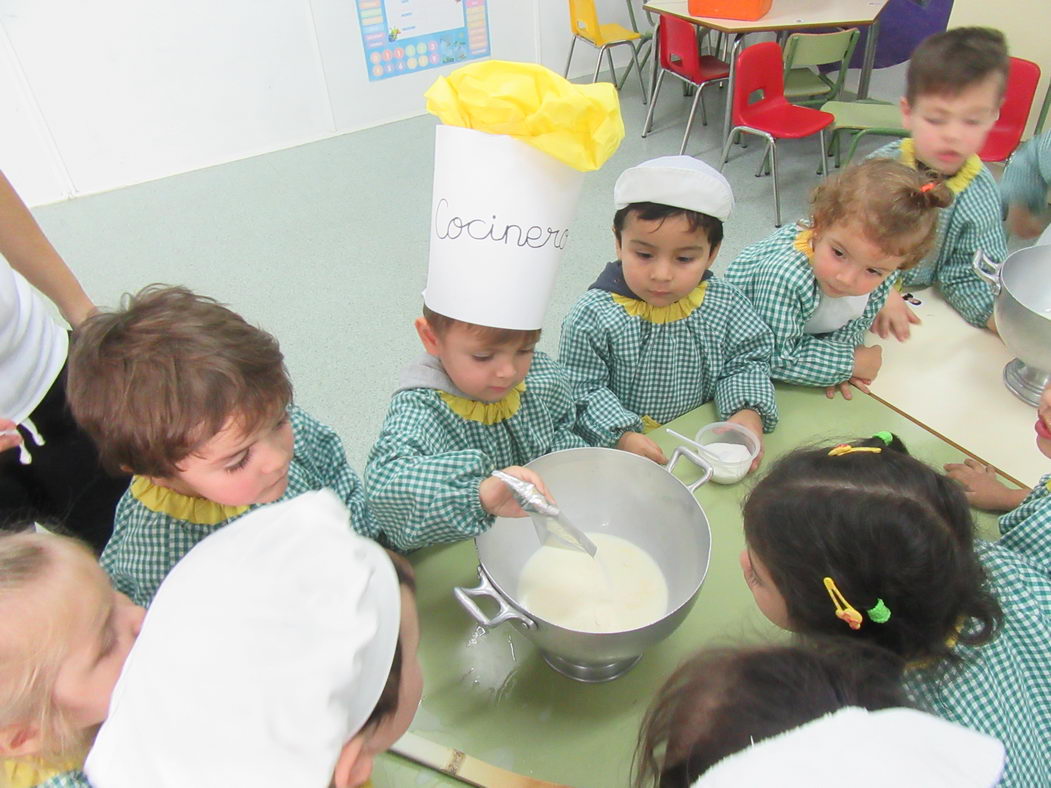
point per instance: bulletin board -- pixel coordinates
(403, 36)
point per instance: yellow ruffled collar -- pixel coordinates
(199, 511)
(958, 182)
(682, 308)
(485, 412)
(26, 773)
(804, 243)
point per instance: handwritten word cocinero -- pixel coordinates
(535, 237)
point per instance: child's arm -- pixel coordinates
(982, 488)
(1024, 186)
(745, 380)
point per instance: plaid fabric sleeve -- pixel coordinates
(551, 379)
(320, 449)
(976, 223)
(745, 380)
(74, 779)
(1028, 174)
(1026, 529)
(420, 489)
(113, 553)
(777, 280)
(586, 354)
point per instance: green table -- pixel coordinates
(491, 695)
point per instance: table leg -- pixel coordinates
(655, 51)
(871, 36)
(734, 50)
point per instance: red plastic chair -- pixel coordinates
(680, 57)
(760, 71)
(1022, 79)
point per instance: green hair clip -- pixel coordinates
(879, 613)
(884, 436)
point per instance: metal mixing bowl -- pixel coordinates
(1022, 311)
(613, 492)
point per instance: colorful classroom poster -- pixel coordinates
(402, 36)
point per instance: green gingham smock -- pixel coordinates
(1004, 687)
(423, 474)
(776, 276)
(624, 367)
(973, 221)
(147, 542)
(1028, 174)
(76, 779)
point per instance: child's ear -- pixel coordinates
(427, 335)
(354, 765)
(18, 740)
(906, 113)
(713, 253)
(616, 241)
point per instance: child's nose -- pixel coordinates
(662, 271)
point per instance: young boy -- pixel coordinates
(1024, 186)
(954, 88)
(182, 392)
(281, 651)
(657, 335)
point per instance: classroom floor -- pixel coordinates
(325, 245)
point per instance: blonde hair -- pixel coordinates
(29, 660)
(895, 206)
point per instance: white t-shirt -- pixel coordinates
(33, 346)
(834, 313)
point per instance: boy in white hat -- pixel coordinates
(481, 398)
(657, 335)
(281, 651)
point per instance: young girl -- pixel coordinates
(820, 284)
(864, 541)
(64, 636)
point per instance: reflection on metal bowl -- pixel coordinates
(609, 491)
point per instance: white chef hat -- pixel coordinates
(263, 653)
(679, 181)
(500, 219)
(866, 749)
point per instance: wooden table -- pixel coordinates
(787, 15)
(492, 696)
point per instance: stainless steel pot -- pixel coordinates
(1022, 310)
(614, 492)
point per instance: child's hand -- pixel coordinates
(1023, 223)
(867, 361)
(497, 498)
(894, 318)
(9, 435)
(861, 384)
(643, 445)
(981, 487)
(752, 422)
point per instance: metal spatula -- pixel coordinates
(552, 527)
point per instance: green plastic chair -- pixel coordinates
(860, 119)
(805, 84)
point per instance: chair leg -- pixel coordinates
(638, 70)
(854, 145)
(569, 59)
(653, 103)
(689, 120)
(704, 112)
(598, 64)
(726, 148)
(763, 163)
(777, 195)
(824, 165)
(612, 70)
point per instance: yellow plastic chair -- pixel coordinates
(584, 24)
(804, 83)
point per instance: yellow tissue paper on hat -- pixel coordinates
(580, 125)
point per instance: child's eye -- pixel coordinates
(643, 255)
(526, 351)
(877, 272)
(480, 357)
(241, 463)
(686, 259)
(838, 252)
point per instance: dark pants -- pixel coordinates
(65, 487)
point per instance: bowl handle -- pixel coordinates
(465, 596)
(696, 459)
(987, 270)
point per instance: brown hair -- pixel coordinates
(29, 661)
(894, 205)
(723, 700)
(391, 694)
(655, 211)
(440, 324)
(950, 62)
(153, 380)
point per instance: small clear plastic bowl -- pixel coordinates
(725, 471)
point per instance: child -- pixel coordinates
(64, 636)
(180, 391)
(863, 541)
(1024, 185)
(819, 285)
(954, 88)
(656, 335)
(281, 651)
(782, 715)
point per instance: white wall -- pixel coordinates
(103, 94)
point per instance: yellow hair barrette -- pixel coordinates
(846, 448)
(844, 610)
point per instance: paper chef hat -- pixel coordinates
(263, 653)
(507, 175)
(679, 181)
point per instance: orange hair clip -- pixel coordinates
(844, 610)
(928, 186)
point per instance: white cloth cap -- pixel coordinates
(679, 181)
(263, 653)
(866, 749)
(500, 219)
